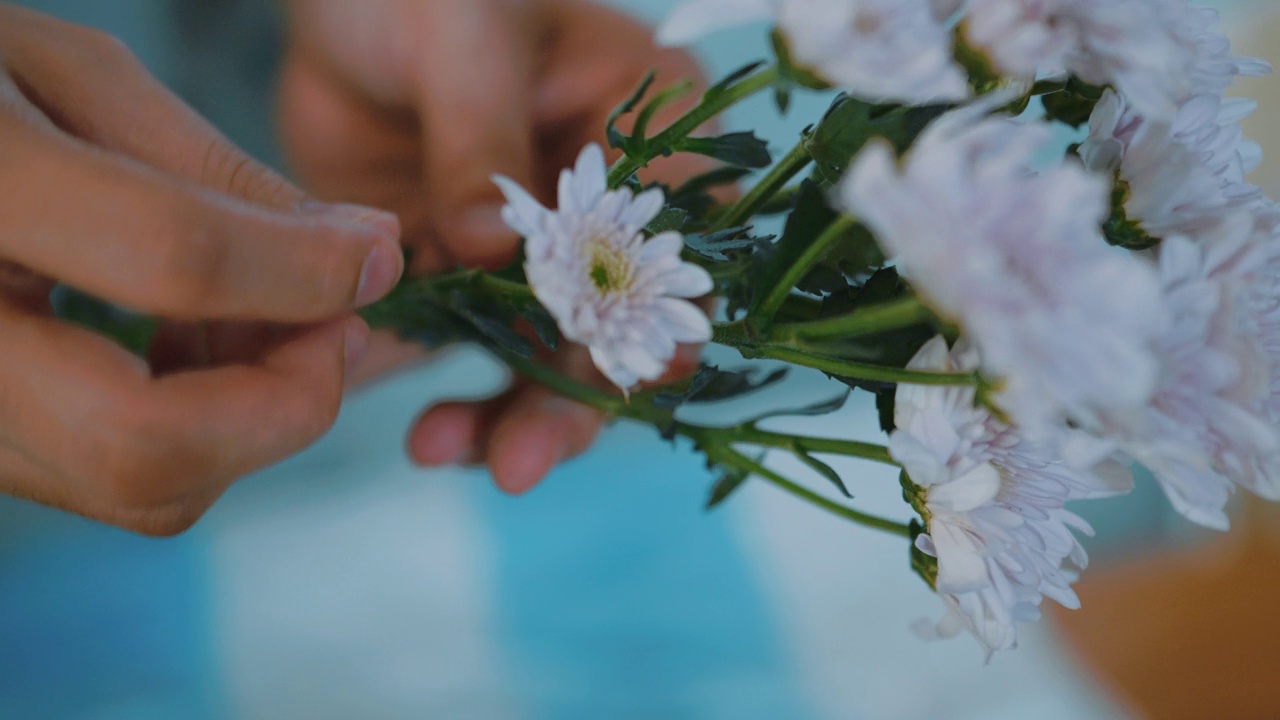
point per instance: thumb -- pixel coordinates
(474, 87)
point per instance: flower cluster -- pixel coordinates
(1039, 321)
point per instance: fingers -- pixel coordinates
(521, 436)
(95, 89)
(598, 58)
(476, 123)
(129, 234)
(152, 454)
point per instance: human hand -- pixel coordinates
(111, 185)
(412, 106)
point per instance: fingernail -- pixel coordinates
(354, 344)
(380, 221)
(380, 273)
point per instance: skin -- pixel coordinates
(110, 184)
(412, 106)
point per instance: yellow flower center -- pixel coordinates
(610, 268)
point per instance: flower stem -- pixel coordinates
(751, 435)
(863, 321)
(717, 442)
(860, 371)
(729, 456)
(794, 274)
(712, 104)
(764, 190)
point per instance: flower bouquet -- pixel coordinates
(1032, 322)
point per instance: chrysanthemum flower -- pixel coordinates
(1147, 49)
(994, 505)
(1209, 424)
(879, 50)
(621, 295)
(1183, 177)
(1018, 261)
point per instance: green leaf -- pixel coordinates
(693, 195)
(824, 407)
(850, 123)
(733, 78)
(886, 402)
(729, 480)
(671, 219)
(711, 384)
(716, 246)
(826, 471)
(661, 100)
(811, 216)
(129, 330)
(495, 330)
(615, 136)
(1073, 105)
(544, 326)
(742, 149)
(849, 263)
(894, 348)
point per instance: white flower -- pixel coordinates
(693, 19)
(1209, 425)
(1018, 261)
(1182, 176)
(880, 50)
(994, 505)
(607, 286)
(1156, 53)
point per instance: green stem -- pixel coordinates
(783, 441)
(712, 104)
(863, 321)
(763, 191)
(717, 442)
(732, 457)
(861, 371)
(811, 256)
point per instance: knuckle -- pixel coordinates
(227, 169)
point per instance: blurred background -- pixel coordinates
(346, 583)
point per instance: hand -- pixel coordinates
(412, 106)
(113, 186)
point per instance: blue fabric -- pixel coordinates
(97, 623)
(622, 598)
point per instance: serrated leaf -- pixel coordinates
(716, 245)
(826, 471)
(694, 195)
(711, 384)
(726, 484)
(494, 330)
(811, 216)
(742, 149)
(544, 326)
(822, 407)
(671, 219)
